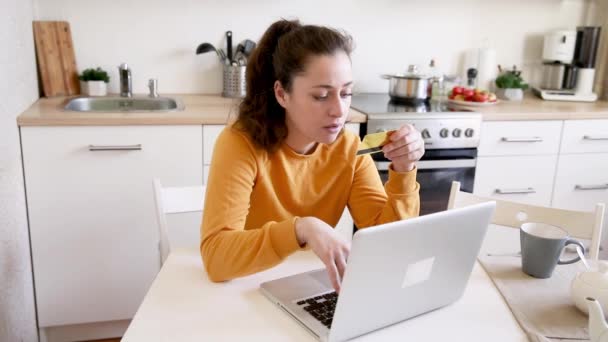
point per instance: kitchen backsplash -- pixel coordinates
(158, 38)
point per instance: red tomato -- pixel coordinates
(468, 92)
(457, 90)
(468, 98)
(480, 97)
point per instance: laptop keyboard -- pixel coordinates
(321, 307)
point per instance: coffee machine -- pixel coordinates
(568, 70)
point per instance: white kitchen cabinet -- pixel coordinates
(581, 181)
(584, 136)
(564, 162)
(517, 160)
(501, 138)
(94, 235)
(525, 179)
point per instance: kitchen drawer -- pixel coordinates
(210, 134)
(501, 138)
(581, 181)
(525, 179)
(582, 136)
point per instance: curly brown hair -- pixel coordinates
(281, 54)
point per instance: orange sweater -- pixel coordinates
(254, 197)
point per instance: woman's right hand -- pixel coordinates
(328, 245)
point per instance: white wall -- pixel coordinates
(158, 38)
(18, 89)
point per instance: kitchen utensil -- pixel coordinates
(249, 46)
(56, 58)
(229, 45)
(239, 48)
(206, 47)
(222, 55)
(410, 87)
(240, 58)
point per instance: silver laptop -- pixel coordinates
(395, 271)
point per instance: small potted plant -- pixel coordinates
(510, 85)
(93, 82)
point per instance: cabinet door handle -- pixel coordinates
(591, 187)
(95, 148)
(522, 139)
(591, 137)
(515, 191)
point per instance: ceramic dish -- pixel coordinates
(473, 104)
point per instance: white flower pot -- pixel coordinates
(94, 88)
(510, 94)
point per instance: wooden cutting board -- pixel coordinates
(56, 58)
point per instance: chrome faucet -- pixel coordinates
(153, 86)
(125, 80)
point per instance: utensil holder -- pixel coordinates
(234, 81)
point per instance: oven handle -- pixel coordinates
(434, 164)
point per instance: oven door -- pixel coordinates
(436, 171)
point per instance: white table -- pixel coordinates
(183, 305)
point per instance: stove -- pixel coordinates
(451, 138)
(441, 126)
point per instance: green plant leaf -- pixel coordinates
(511, 79)
(97, 74)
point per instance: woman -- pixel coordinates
(282, 175)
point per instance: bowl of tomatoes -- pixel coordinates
(471, 97)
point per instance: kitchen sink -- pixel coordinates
(124, 104)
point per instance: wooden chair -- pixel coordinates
(579, 224)
(178, 200)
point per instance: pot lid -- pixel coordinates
(412, 73)
(596, 278)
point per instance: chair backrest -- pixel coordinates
(178, 200)
(579, 224)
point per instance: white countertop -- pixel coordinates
(203, 109)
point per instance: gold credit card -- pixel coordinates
(373, 143)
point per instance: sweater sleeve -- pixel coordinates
(227, 249)
(370, 204)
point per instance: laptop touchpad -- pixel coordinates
(322, 277)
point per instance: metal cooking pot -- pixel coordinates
(410, 87)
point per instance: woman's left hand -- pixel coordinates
(406, 147)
